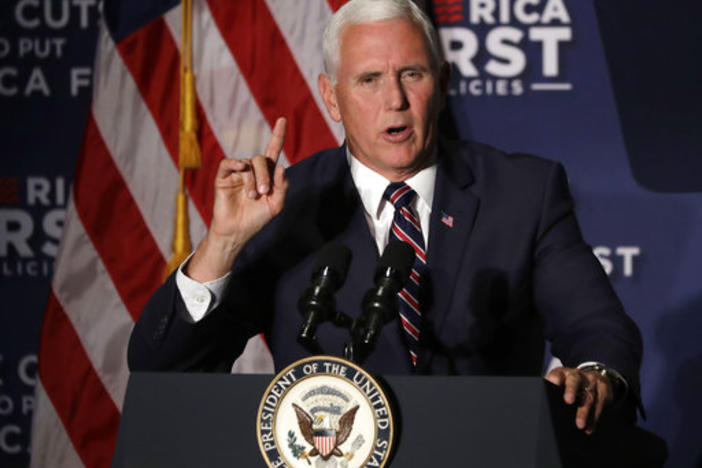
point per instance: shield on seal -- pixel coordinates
(325, 441)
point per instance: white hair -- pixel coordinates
(372, 11)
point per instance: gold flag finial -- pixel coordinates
(188, 148)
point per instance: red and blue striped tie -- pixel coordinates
(406, 228)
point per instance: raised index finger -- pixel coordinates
(275, 146)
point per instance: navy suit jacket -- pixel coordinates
(511, 271)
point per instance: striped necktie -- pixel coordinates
(406, 228)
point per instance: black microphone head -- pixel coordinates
(337, 258)
(380, 303)
(400, 257)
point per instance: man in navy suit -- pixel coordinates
(506, 263)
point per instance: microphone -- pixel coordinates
(380, 303)
(317, 302)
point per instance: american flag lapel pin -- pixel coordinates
(447, 219)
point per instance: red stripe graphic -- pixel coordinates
(86, 410)
(414, 276)
(448, 9)
(153, 59)
(271, 72)
(450, 18)
(9, 190)
(114, 223)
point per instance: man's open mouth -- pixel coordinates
(396, 130)
(397, 134)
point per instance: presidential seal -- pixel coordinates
(324, 412)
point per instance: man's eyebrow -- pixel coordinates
(368, 74)
(415, 67)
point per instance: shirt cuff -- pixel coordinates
(200, 298)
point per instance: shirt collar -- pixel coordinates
(371, 185)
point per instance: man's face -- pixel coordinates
(387, 96)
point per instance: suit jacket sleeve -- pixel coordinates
(166, 339)
(583, 318)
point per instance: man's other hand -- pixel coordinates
(589, 390)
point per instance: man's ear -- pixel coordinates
(326, 89)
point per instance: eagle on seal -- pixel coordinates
(337, 437)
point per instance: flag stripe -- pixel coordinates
(273, 77)
(154, 62)
(233, 115)
(92, 304)
(336, 4)
(119, 221)
(256, 358)
(114, 224)
(152, 58)
(302, 33)
(134, 142)
(57, 449)
(76, 392)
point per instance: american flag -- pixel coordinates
(254, 60)
(325, 441)
(446, 219)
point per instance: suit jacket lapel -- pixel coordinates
(453, 214)
(358, 238)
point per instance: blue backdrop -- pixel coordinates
(46, 56)
(609, 88)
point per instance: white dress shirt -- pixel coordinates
(380, 212)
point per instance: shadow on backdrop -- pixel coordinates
(652, 50)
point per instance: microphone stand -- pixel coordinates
(317, 304)
(380, 303)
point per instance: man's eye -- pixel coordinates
(411, 75)
(368, 79)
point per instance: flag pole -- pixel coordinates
(189, 156)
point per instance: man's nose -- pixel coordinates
(395, 96)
